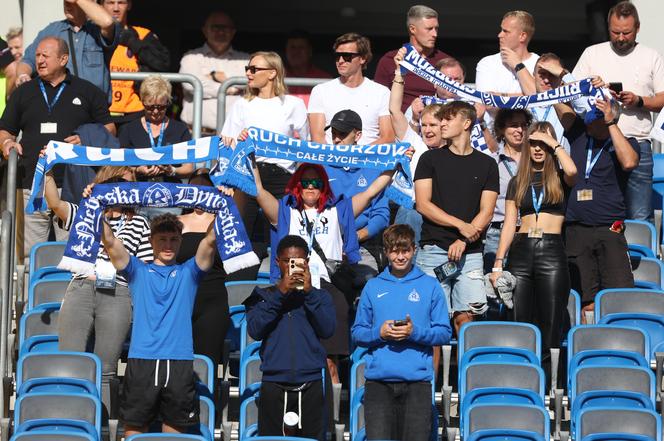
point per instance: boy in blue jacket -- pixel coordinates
(290, 318)
(402, 314)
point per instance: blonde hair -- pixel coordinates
(14, 32)
(525, 19)
(273, 61)
(156, 87)
(553, 190)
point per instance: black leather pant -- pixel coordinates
(542, 287)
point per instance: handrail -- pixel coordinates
(242, 81)
(174, 78)
(5, 278)
(12, 170)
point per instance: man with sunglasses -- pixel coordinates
(213, 63)
(422, 25)
(351, 90)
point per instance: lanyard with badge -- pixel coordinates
(507, 165)
(50, 127)
(105, 272)
(314, 270)
(536, 233)
(161, 134)
(586, 194)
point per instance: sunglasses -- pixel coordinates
(347, 56)
(157, 107)
(254, 69)
(315, 183)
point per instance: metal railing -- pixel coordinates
(173, 78)
(242, 81)
(6, 276)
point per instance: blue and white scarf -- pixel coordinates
(417, 64)
(85, 235)
(196, 150)
(477, 139)
(234, 167)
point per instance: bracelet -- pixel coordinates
(399, 82)
(555, 149)
(496, 270)
(611, 123)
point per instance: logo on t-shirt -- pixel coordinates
(76, 101)
(414, 296)
(361, 181)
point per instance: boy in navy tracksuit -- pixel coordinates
(402, 314)
(290, 319)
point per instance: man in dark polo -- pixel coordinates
(49, 107)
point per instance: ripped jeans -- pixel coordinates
(465, 291)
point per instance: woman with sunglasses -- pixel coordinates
(155, 129)
(537, 259)
(310, 210)
(266, 105)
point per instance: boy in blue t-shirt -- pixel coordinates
(159, 379)
(402, 314)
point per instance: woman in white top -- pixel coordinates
(266, 105)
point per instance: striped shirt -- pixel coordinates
(134, 234)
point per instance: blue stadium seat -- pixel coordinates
(38, 330)
(503, 435)
(277, 438)
(165, 437)
(648, 272)
(250, 377)
(248, 346)
(205, 374)
(248, 418)
(647, 301)
(528, 418)
(59, 372)
(610, 421)
(36, 412)
(53, 435)
(641, 238)
(207, 417)
(49, 292)
(45, 256)
(651, 324)
(574, 308)
(356, 418)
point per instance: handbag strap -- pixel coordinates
(72, 51)
(314, 244)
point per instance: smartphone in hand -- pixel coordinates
(294, 268)
(616, 87)
(403, 322)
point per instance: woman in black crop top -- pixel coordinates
(537, 256)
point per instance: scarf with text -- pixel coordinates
(84, 238)
(196, 150)
(234, 167)
(477, 139)
(417, 64)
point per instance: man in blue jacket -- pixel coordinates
(290, 319)
(402, 314)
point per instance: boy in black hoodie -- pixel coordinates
(290, 319)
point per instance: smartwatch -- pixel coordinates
(518, 67)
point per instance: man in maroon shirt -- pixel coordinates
(422, 23)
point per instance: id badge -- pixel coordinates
(315, 276)
(535, 233)
(49, 127)
(584, 195)
(105, 275)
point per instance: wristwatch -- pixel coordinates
(483, 125)
(518, 67)
(212, 72)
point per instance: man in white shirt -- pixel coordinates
(510, 70)
(351, 90)
(640, 72)
(212, 63)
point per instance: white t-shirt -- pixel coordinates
(641, 72)
(370, 100)
(493, 76)
(285, 115)
(326, 231)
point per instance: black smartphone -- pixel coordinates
(616, 87)
(403, 322)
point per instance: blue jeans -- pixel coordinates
(398, 411)
(490, 247)
(638, 195)
(410, 216)
(465, 290)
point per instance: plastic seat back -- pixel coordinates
(206, 418)
(248, 418)
(55, 435)
(651, 324)
(37, 324)
(500, 334)
(641, 237)
(165, 437)
(502, 435)
(205, 373)
(612, 378)
(501, 375)
(250, 376)
(46, 254)
(239, 291)
(615, 420)
(83, 408)
(647, 271)
(59, 372)
(48, 292)
(574, 308)
(605, 344)
(503, 416)
(610, 301)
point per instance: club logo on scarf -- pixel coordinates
(222, 165)
(157, 196)
(85, 229)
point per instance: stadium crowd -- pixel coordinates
(500, 231)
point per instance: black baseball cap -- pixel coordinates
(345, 121)
(6, 56)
